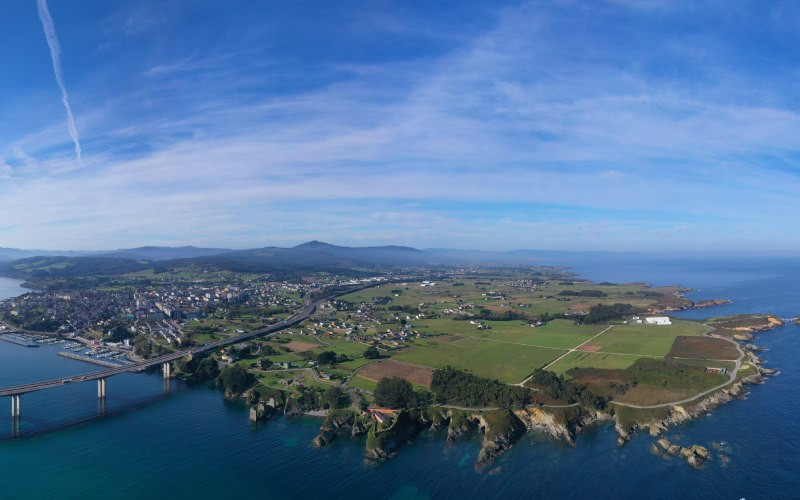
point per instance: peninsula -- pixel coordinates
(422, 344)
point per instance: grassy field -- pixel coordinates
(506, 362)
(592, 360)
(362, 383)
(646, 339)
(562, 334)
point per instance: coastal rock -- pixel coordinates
(752, 358)
(460, 425)
(324, 438)
(753, 347)
(383, 442)
(534, 418)
(710, 303)
(501, 430)
(694, 455)
(359, 428)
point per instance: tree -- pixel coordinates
(236, 379)
(141, 346)
(207, 369)
(372, 353)
(118, 333)
(394, 392)
(334, 397)
(457, 387)
(326, 357)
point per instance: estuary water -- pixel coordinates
(176, 441)
(11, 288)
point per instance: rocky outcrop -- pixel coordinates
(359, 428)
(694, 455)
(562, 423)
(461, 425)
(383, 442)
(335, 421)
(501, 430)
(703, 304)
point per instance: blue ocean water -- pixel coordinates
(180, 441)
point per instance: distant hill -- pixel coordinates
(162, 253)
(311, 256)
(316, 255)
(17, 253)
(33, 268)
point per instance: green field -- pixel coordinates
(562, 334)
(592, 360)
(362, 383)
(501, 360)
(646, 339)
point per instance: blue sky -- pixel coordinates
(607, 125)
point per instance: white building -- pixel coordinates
(658, 320)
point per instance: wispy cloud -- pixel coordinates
(55, 55)
(562, 125)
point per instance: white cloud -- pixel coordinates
(530, 115)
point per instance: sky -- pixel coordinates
(641, 125)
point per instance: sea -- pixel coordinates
(155, 440)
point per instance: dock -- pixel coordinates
(18, 339)
(87, 359)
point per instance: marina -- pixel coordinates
(19, 339)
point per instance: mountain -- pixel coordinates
(311, 256)
(316, 255)
(17, 253)
(163, 253)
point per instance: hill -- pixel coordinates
(316, 255)
(163, 253)
(35, 268)
(311, 256)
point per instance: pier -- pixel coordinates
(88, 359)
(18, 339)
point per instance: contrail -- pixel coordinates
(55, 55)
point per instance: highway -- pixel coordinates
(302, 314)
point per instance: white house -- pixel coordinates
(658, 320)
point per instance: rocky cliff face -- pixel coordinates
(501, 429)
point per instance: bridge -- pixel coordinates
(308, 308)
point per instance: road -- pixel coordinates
(301, 315)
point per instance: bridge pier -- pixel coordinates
(166, 370)
(101, 388)
(15, 406)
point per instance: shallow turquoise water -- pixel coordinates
(181, 442)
